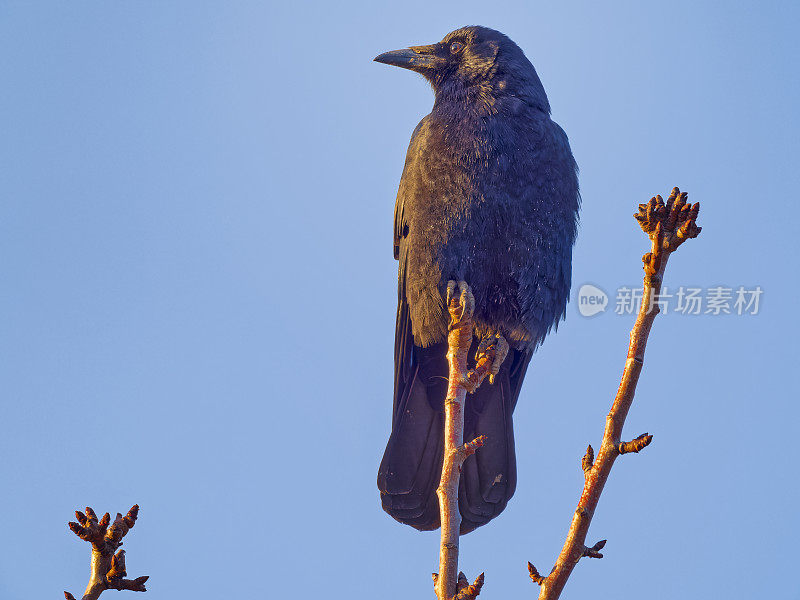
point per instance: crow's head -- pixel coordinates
(473, 59)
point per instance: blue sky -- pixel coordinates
(198, 296)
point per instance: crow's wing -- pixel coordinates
(412, 462)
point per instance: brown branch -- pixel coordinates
(459, 339)
(108, 563)
(668, 226)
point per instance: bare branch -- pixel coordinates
(447, 584)
(107, 568)
(667, 225)
(459, 338)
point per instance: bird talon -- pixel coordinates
(497, 343)
(467, 299)
(483, 346)
(451, 288)
(468, 384)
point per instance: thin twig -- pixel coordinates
(668, 226)
(459, 339)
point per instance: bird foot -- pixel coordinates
(461, 307)
(489, 357)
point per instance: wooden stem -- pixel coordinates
(459, 340)
(596, 476)
(668, 225)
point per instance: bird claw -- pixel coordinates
(493, 343)
(465, 298)
(451, 289)
(469, 383)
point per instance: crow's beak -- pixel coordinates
(416, 58)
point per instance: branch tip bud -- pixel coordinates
(594, 551)
(534, 574)
(588, 460)
(635, 445)
(470, 592)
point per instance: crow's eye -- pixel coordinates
(456, 47)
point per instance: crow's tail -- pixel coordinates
(412, 463)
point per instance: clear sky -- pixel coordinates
(198, 296)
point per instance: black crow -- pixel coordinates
(489, 195)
